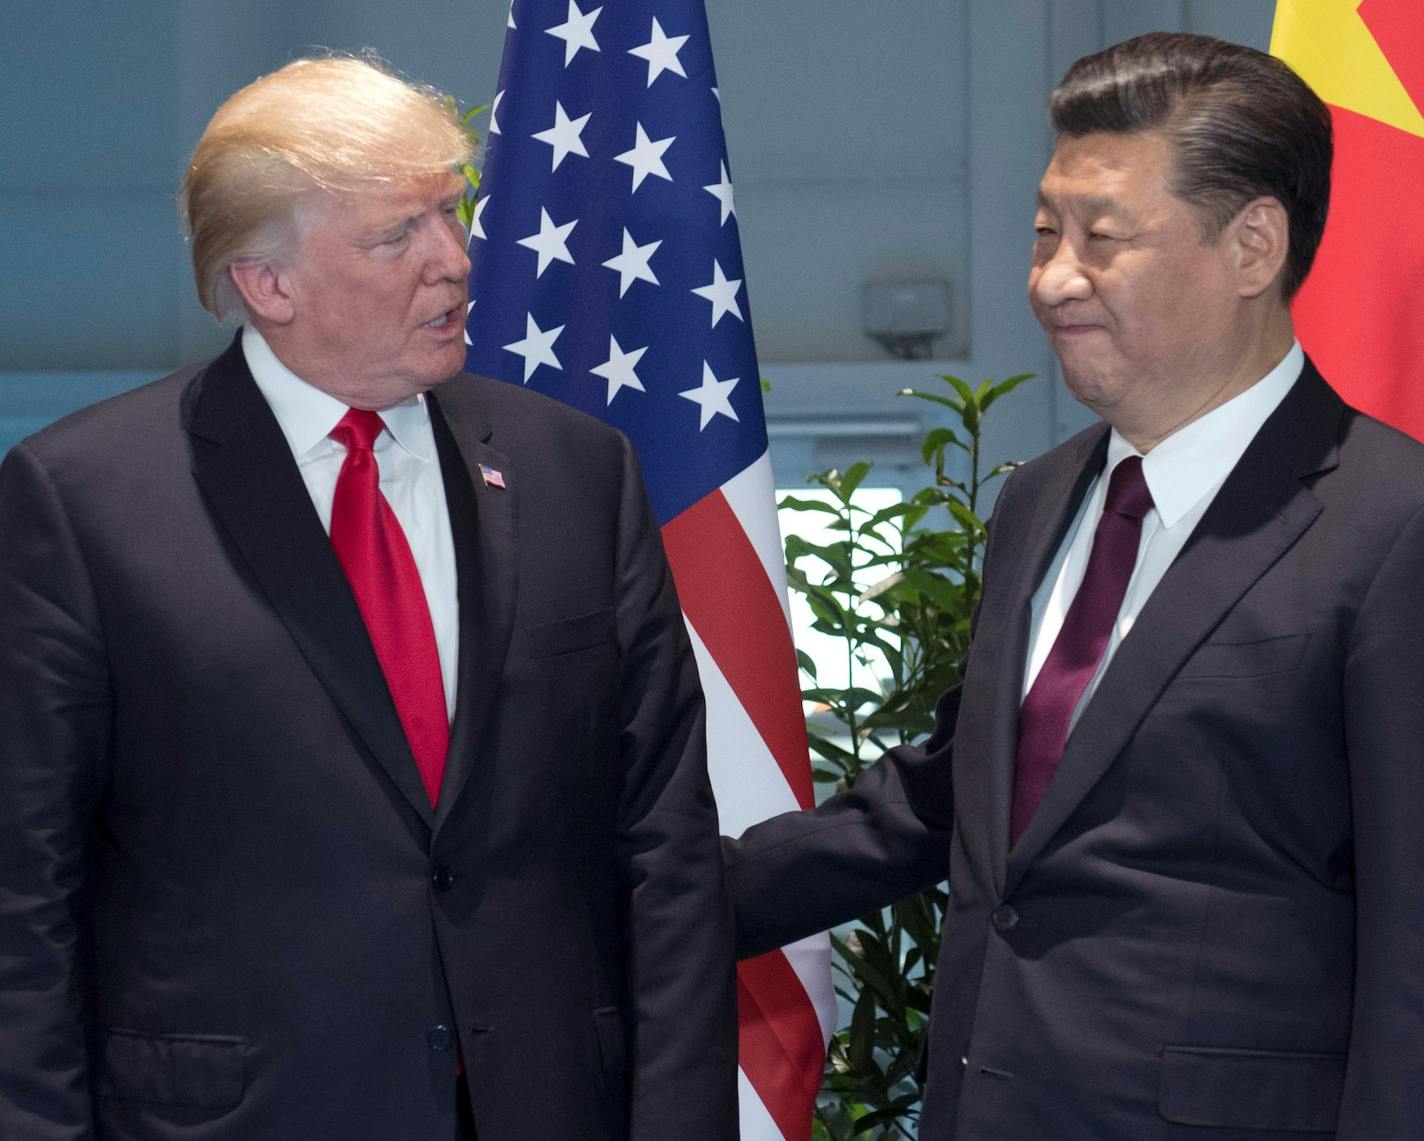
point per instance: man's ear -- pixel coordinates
(266, 290)
(1260, 237)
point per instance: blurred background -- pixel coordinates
(885, 158)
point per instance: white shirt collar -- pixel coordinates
(1195, 460)
(307, 415)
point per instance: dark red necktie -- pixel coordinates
(373, 551)
(1047, 710)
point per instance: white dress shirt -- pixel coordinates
(410, 480)
(1183, 472)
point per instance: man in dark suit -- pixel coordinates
(1179, 795)
(352, 777)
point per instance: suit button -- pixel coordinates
(443, 878)
(440, 1039)
(1004, 918)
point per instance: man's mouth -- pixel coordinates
(445, 320)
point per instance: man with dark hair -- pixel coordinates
(1178, 796)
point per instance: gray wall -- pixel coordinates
(893, 140)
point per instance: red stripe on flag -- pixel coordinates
(779, 1041)
(729, 600)
(1358, 313)
(732, 605)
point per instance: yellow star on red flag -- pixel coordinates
(1331, 47)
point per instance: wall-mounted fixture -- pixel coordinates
(906, 316)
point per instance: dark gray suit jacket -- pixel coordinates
(227, 910)
(1213, 926)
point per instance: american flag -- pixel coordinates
(608, 274)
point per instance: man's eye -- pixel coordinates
(1099, 236)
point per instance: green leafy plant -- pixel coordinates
(896, 588)
(466, 208)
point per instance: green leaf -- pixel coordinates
(839, 550)
(915, 515)
(857, 696)
(965, 518)
(829, 750)
(860, 1049)
(948, 401)
(886, 514)
(966, 393)
(937, 440)
(852, 479)
(795, 503)
(874, 968)
(991, 391)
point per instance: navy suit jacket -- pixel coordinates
(1212, 928)
(227, 909)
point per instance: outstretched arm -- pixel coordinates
(881, 840)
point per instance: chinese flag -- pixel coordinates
(1360, 314)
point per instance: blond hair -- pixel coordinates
(332, 124)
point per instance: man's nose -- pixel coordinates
(448, 259)
(1061, 278)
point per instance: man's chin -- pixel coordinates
(445, 366)
(1087, 386)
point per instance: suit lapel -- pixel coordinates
(245, 469)
(483, 526)
(1029, 554)
(1259, 513)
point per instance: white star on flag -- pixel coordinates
(551, 243)
(494, 110)
(563, 136)
(537, 347)
(722, 191)
(661, 53)
(618, 369)
(632, 263)
(576, 31)
(510, 22)
(722, 292)
(477, 229)
(646, 157)
(713, 396)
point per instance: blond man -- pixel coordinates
(351, 766)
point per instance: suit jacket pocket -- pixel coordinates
(203, 1071)
(565, 635)
(1246, 659)
(1251, 1089)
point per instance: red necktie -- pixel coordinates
(1047, 710)
(373, 551)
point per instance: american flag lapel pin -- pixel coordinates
(493, 477)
